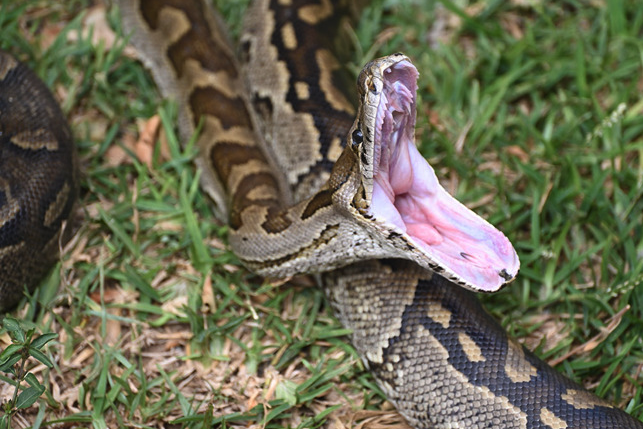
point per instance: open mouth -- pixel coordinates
(408, 198)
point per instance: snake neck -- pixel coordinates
(382, 198)
(193, 63)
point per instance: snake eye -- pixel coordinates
(357, 136)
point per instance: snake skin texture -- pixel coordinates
(37, 179)
(446, 363)
(437, 355)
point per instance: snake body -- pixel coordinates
(38, 179)
(349, 218)
(440, 359)
(446, 363)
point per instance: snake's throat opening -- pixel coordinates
(408, 199)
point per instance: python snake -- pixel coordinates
(437, 355)
(38, 179)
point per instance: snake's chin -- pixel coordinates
(409, 200)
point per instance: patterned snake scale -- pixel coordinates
(38, 180)
(438, 356)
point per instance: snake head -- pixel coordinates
(397, 195)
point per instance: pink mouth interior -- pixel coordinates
(407, 194)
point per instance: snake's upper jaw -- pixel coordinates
(410, 207)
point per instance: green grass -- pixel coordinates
(545, 151)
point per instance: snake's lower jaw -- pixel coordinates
(443, 235)
(482, 260)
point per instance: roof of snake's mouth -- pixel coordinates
(407, 197)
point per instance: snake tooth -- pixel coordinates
(38, 179)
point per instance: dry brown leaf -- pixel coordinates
(176, 305)
(149, 131)
(114, 295)
(49, 33)
(95, 21)
(80, 357)
(144, 153)
(230, 268)
(216, 243)
(591, 344)
(511, 22)
(113, 327)
(208, 305)
(370, 419)
(434, 119)
(142, 147)
(5, 340)
(518, 152)
(169, 225)
(481, 202)
(116, 154)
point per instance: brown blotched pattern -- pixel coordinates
(242, 173)
(438, 356)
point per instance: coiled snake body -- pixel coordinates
(438, 356)
(37, 179)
